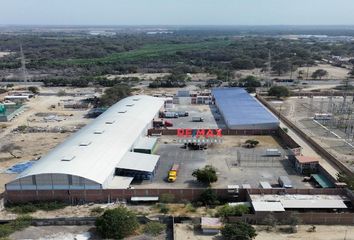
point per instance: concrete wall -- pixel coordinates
(104, 195)
(111, 195)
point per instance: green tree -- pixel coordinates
(208, 197)
(117, 223)
(238, 231)
(206, 175)
(114, 94)
(33, 89)
(250, 83)
(319, 73)
(242, 63)
(279, 91)
(281, 67)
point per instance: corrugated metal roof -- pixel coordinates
(138, 161)
(120, 182)
(313, 204)
(146, 143)
(323, 181)
(268, 207)
(241, 110)
(98, 160)
(144, 199)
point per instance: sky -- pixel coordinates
(177, 12)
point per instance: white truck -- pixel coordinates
(170, 115)
(197, 119)
(273, 152)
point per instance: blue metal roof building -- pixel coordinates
(240, 110)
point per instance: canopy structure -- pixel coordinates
(268, 207)
(139, 162)
(322, 181)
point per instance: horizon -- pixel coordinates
(177, 13)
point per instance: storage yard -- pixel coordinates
(235, 164)
(43, 124)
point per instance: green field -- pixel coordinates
(146, 52)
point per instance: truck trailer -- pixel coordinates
(285, 182)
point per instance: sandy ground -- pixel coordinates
(54, 233)
(3, 54)
(186, 231)
(333, 72)
(34, 145)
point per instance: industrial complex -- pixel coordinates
(144, 146)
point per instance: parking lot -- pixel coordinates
(235, 164)
(209, 113)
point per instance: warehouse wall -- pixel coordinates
(52, 182)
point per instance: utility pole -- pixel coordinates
(23, 65)
(269, 70)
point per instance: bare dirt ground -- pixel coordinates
(54, 233)
(36, 144)
(186, 231)
(153, 76)
(333, 72)
(322, 233)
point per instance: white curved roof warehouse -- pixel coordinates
(87, 160)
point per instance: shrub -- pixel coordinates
(33, 207)
(227, 210)
(190, 208)
(16, 225)
(154, 228)
(117, 223)
(163, 208)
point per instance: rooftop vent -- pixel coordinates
(67, 158)
(98, 131)
(85, 143)
(122, 111)
(110, 121)
(136, 99)
(130, 105)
